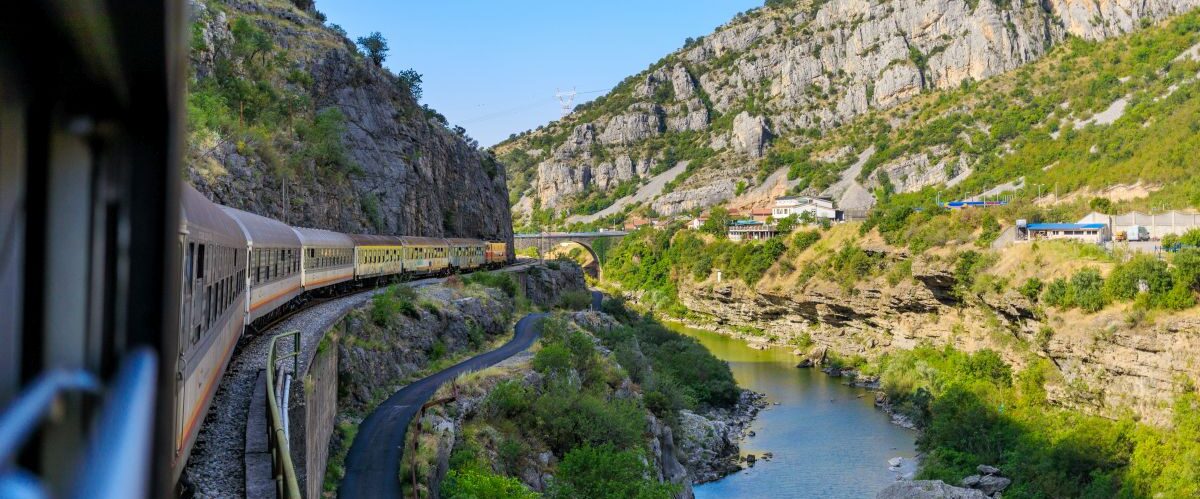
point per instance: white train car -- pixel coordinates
(327, 258)
(273, 250)
(211, 313)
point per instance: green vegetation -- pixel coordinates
(388, 305)
(375, 47)
(973, 410)
(576, 412)
(607, 473)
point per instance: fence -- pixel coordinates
(286, 485)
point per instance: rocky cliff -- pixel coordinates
(288, 120)
(797, 74)
(1109, 362)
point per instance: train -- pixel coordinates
(240, 271)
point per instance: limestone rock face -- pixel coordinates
(750, 134)
(1107, 365)
(410, 175)
(816, 66)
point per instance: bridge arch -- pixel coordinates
(546, 242)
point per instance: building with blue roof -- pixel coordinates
(1096, 233)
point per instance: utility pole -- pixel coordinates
(567, 99)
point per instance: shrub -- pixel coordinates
(503, 281)
(508, 399)
(1087, 290)
(605, 472)
(1186, 271)
(478, 483)
(803, 240)
(575, 300)
(570, 418)
(1032, 288)
(553, 357)
(1056, 293)
(1126, 279)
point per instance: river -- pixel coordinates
(828, 439)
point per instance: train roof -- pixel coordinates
(462, 241)
(203, 219)
(264, 232)
(423, 241)
(322, 238)
(374, 240)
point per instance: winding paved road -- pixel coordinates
(373, 463)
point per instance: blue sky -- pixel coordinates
(493, 66)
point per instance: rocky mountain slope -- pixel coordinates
(287, 119)
(805, 86)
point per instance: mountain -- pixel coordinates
(806, 96)
(288, 119)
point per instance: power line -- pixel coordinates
(528, 105)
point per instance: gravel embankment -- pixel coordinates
(216, 467)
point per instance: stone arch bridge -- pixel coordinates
(547, 241)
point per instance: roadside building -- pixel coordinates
(1096, 233)
(750, 230)
(761, 214)
(799, 205)
(636, 223)
(696, 223)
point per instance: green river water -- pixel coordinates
(828, 439)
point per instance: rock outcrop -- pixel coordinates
(1107, 363)
(403, 172)
(928, 489)
(800, 69)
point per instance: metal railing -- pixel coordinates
(117, 461)
(286, 485)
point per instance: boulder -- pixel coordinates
(927, 489)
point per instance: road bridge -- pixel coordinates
(547, 241)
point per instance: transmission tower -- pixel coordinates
(567, 99)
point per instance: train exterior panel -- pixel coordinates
(466, 254)
(425, 255)
(274, 262)
(326, 258)
(496, 254)
(376, 256)
(212, 312)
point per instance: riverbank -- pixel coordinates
(817, 437)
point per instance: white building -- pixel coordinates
(795, 205)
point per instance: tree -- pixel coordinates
(375, 46)
(1101, 205)
(717, 223)
(787, 224)
(410, 80)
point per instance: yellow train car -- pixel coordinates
(425, 255)
(376, 256)
(466, 254)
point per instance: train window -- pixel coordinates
(187, 265)
(200, 262)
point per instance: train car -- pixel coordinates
(466, 254)
(211, 313)
(326, 258)
(273, 250)
(425, 255)
(496, 254)
(376, 256)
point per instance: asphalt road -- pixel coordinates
(373, 463)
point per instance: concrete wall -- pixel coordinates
(312, 415)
